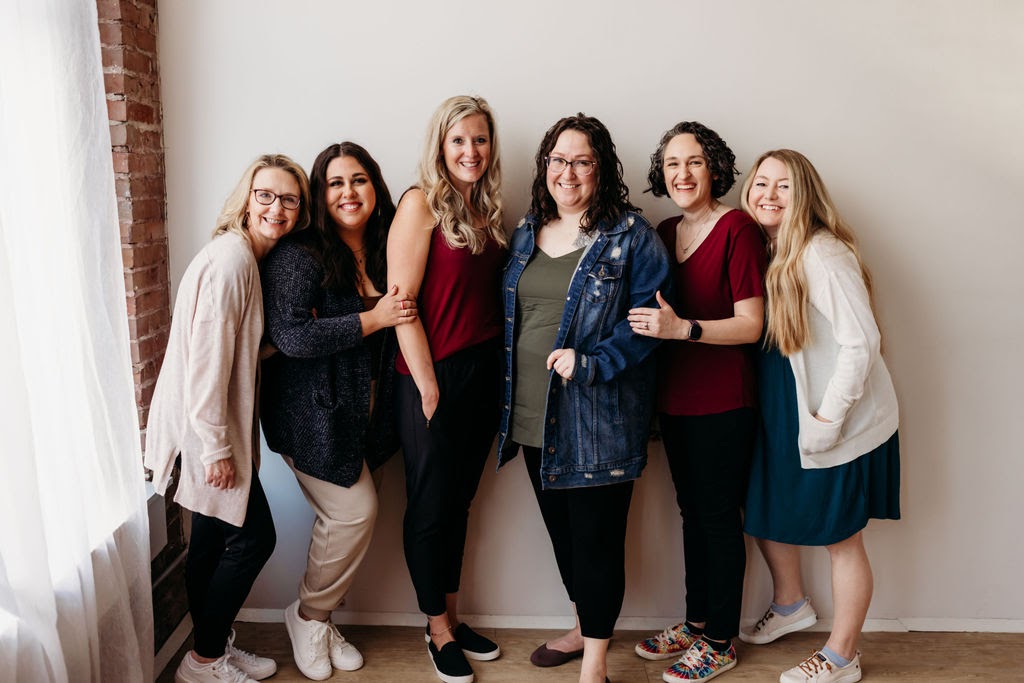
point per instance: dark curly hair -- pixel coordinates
(721, 160)
(338, 261)
(611, 198)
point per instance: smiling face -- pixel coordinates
(467, 151)
(687, 176)
(270, 222)
(768, 196)
(572, 192)
(349, 194)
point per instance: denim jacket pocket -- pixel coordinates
(603, 282)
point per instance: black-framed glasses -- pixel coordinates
(266, 198)
(580, 166)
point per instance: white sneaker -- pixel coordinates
(253, 666)
(217, 671)
(773, 626)
(344, 655)
(310, 641)
(818, 669)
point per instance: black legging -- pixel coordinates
(443, 464)
(709, 457)
(587, 526)
(222, 565)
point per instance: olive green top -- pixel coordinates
(540, 301)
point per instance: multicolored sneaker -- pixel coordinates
(819, 669)
(773, 626)
(700, 663)
(672, 642)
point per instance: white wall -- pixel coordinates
(912, 112)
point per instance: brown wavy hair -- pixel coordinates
(611, 198)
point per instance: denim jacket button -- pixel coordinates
(552, 477)
(551, 449)
(552, 420)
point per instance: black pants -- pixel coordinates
(222, 565)
(709, 457)
(443, 464)
(587, 527)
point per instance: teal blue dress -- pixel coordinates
(788, 504)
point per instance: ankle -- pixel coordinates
(202, 660)
(306, 617)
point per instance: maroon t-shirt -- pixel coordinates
(460, 298)
(728, 266)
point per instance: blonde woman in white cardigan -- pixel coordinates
(204, 407)
(827, 456)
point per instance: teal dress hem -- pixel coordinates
(789, 504)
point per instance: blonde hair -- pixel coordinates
(454, 217)
(234, 216)
(810, 209)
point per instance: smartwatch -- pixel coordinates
(695, 331)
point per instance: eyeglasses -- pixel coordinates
(266, 198)
(580, 166)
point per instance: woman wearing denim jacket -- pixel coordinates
(580, 387)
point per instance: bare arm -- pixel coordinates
(408, 249)
(744, 327)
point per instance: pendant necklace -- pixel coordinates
(703, 225)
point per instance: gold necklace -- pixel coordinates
(703, 224)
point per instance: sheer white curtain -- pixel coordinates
(74, 553)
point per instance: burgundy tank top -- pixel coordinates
(460, 298)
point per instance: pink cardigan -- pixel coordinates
(205, 403)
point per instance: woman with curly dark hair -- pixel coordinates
(579, 390)
(327, 397)
(706, 388)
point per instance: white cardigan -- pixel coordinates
(840, 374)
(204, 404)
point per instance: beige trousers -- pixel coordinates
(341, 535)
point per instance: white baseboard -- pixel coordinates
(964, 625)
(173, 644)
(899, 625)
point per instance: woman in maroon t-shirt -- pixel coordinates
(706, 392)
(446, 247)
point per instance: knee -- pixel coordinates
(852, 546)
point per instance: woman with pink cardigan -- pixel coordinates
(204, 407)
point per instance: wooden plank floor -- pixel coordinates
(398, 654)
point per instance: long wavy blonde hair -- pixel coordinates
(234, 217)
(810, 209)
(454, 217)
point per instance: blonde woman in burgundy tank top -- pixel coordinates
(446, 248)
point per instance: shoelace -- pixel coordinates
(694, 657)
(764, 620)
(334, 637)
(236, 653)
(321, 633)
(226, 671)
(669, 635)
(815, 664)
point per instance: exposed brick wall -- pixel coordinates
(128, 38)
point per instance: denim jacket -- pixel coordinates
(596, 425)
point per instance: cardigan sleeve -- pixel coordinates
(837, 290)
(291, 284)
